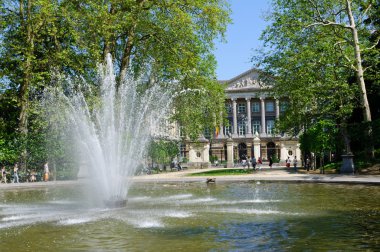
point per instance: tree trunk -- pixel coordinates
(109, 43)
(126, 58)
(346, 138)
(26, 80)
(126, 55)
(360, 78)
(359, 67)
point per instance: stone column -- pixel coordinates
(234, 132)
(205, 154)
(277, 109)
(249, 133)
(230, 153)
(263, 130)
(283, 152)
(256, 147)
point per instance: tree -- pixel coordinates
(172, 37)
(170, 40)
(313, 51)
(162, 151)
(36, 39)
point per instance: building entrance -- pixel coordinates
(242, 148)
(271, 150)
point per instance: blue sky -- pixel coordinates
(242, 37)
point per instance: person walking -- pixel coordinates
(254, 162)
(307, 163)
(15, 174)
(260, 162)
(270, 162)
(295, 163)
(288, 162)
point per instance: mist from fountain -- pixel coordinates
(111, 134)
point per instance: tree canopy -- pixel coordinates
(167, 41)
(314, 49)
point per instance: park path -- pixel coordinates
(266, 174)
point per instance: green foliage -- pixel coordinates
(162, 151)
(275, 159)
(213, 159)
(333, 166)
(309, 53)
(320, 137)
(197, 104)
(171, 41)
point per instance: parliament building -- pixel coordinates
(251, 116)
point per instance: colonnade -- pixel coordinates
(249, 132)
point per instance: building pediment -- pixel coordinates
(247, 80)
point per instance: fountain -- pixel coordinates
(112, 133)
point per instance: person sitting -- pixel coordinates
(33, 177)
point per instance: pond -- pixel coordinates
(229, 216)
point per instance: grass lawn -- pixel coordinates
(222, 172)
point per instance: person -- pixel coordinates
(179, 167)
(260, 162)
(32, 177)
(307, 163)
(46, 171)
(3, 175)
(244, 163)
(15, 174)
(295, 163)
(248, 162)
(270, 162)
(288, 162)
(254, 162)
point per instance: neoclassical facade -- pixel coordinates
(249, 131)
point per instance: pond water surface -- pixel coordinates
(238, 216)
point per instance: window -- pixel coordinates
(269, 106)
(241, 108)
(270, 126)
(229, 108)
(241, 128)
(183, 151)
(255, 127)
(255, 107)
(227, 130)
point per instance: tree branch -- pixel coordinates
(373, 46)
(328, 23)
